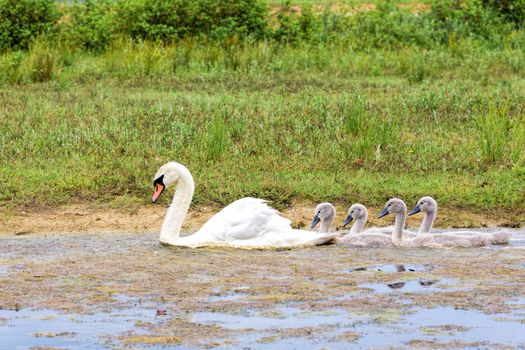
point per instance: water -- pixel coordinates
(227, 288)
(391, 268)
(28, 328)
(410, 286)
(479, 328)
(518, 238)
(519, 301)
(235, 295)
(255, 329)
(444, 324)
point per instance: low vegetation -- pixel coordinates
(278, 101)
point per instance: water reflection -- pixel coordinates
(391, 268)
(411, 286)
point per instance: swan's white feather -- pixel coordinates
(251, 223)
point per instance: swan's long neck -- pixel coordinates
(358, 225)
(428, 221)
(170, 231)
(397, 235)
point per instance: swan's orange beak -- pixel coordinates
(158, 191)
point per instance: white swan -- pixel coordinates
(428, 205)
(439, 240)
(245, 223)
(358, 238)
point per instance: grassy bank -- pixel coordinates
(282, 102)
(280, 122)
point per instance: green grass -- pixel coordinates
(325, 123)
(343, 2)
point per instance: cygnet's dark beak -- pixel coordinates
(316, 221)
(383, 213)
(349, 219)
(416, 210)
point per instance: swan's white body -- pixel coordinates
(245, 223)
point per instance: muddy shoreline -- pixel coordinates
(82, 218)
(127, 291)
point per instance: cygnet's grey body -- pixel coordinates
(428, 205)
(439, 240)
(359, 215)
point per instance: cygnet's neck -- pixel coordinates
(325, 224)
(358, 225)
(428, 221)
(397, 235)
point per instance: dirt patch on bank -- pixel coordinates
(148, 218)
(343, 9)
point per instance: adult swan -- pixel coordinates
(245, 223)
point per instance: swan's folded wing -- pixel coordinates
(244, 219)
(298, 238)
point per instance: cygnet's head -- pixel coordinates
(356, 211)
(393, 206)
(167, 175)
(323, 211)
(425, 204)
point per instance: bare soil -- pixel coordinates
(81, 218)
